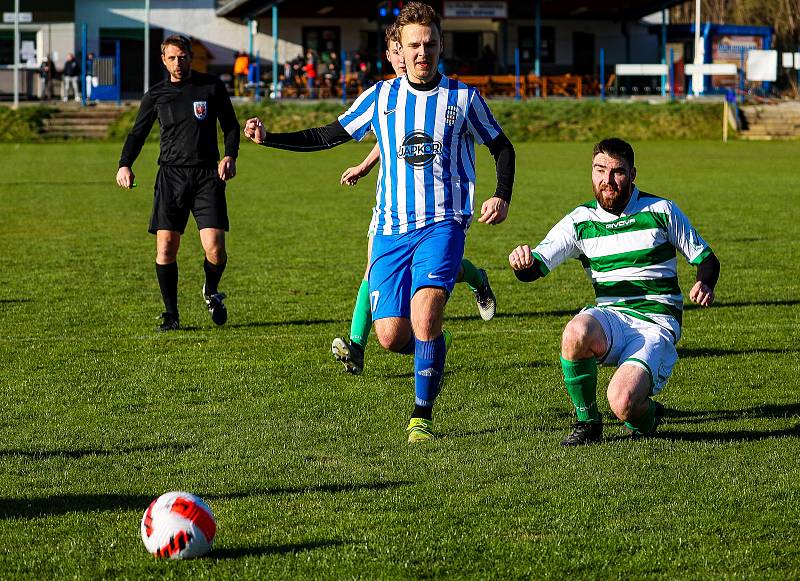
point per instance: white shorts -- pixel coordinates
(633, 341)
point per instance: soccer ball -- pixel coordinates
(178, 525)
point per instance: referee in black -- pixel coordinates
(191, 178)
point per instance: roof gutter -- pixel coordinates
(238, 8)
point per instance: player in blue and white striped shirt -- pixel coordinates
(426, 125)
(350, 350)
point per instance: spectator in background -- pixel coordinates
(297, 72)
(360, 67)
(46, 79)
(241, 68)
(90, 76)
(310, 70)
(332, 73)
(70, 78)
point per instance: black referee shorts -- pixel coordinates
(181, 190)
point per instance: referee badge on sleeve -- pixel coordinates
(200, 109)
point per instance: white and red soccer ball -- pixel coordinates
(178, 525)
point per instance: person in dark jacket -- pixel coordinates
(70, 78)
(191, 176)
(46, 79)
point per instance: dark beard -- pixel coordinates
(619, 204)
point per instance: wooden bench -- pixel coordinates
(565, 85)
(480, 82)
(535, 86)
(506, 85)
(591, 84)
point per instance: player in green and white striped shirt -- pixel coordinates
(627, 241)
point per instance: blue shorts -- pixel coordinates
(404, 263)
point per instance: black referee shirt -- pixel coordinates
(187, 112)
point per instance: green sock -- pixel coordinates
(362, 316)
(645, 423)
(472, 276)
(581, 380)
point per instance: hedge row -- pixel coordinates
(24, 124)
(534, 120)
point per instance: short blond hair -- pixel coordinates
(417, 13)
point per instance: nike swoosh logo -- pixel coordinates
(390, 111)
(434, 276)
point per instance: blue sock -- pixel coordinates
(428, 370)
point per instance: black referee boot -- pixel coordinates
(170, 323)
(216, 308)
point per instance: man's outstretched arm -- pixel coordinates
(526, 266)
(495, 209)
(702, 292)
(314, 139)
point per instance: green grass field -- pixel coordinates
(306, 468)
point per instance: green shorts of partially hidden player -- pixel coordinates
(633, 341)
(180, 191)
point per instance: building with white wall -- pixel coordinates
(571, 32)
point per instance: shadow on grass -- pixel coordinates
(675, 417)
(576, 310)
(468, 434)
(326, 488)
(241, 552)
(512, 315)
(409, 375)
(691, 352)
(71, 503)
(56, 183)
(772, 411)
(14, 301)
(292, 323)
(84, 452)
(722, 305)
(729, 437)
(518, 315)
(514, 366)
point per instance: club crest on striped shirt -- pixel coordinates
(200, 109)
(450, 114)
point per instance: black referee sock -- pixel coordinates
(213, 274)
(167, 275)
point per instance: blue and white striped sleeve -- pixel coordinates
(357, 120)
(480, 120)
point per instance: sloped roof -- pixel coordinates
(615, 10)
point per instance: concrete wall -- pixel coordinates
(53, 40)
(607, 35)
(224, 37)
(56, 40)
(195, 18)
